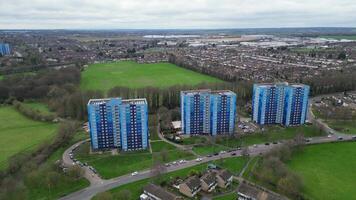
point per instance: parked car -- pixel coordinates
(134, 173)
(233, 154)
(340, 138)
(198, 159)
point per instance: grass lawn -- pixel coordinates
(233, 164)
(66, 184)
(194, 140)
(136, 187)
(348, 127)
(105, 76)
(328, 170)
(110, 166)
(230, 196)
(273, 133)
(40, 107)
(209, 149)
(19, 133)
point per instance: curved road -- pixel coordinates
(98, 185)
(104, 185)
(93, 178)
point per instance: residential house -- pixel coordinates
(154, 192)
(224, 178)
(208, 181)
(190, 187)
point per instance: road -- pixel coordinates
(104, 185)
(98, 185)
(93, 178)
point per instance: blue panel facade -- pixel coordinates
(280, 103)
(116, 123)
(5, 49)
(208, 112)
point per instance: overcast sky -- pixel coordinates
(115, 14)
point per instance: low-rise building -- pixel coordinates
(154, 192)
(248, 191)
(208, 181)
(190, 187)
(224, 178)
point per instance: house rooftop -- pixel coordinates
(225, 174)
(192, 182)
(255, 192)
(209, 178)
(159, 192)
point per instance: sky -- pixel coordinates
(175, 14)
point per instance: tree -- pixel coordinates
(342, 55)
(157, 170)
(291, 185)
(164, 155)
(75, 172)
(245, 153)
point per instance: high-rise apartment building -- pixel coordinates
(4, 49)
(280, 103)
(208, 112)
(117, 123)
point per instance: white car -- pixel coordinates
(134, 173)
(255, 145)
(329, 136)
(198, 159)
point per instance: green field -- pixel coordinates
(105, 76)
(19, 133)
(339, 37)
(135, 188)
(40, 107)
(328, 170)
(110, 166)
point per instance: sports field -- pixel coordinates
(19, 133)
(328, 170)
(105, 76)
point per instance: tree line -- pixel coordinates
(26, 169)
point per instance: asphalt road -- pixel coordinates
(98, 185)
(93, 178)
(104, 185)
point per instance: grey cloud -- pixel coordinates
(175, 13)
